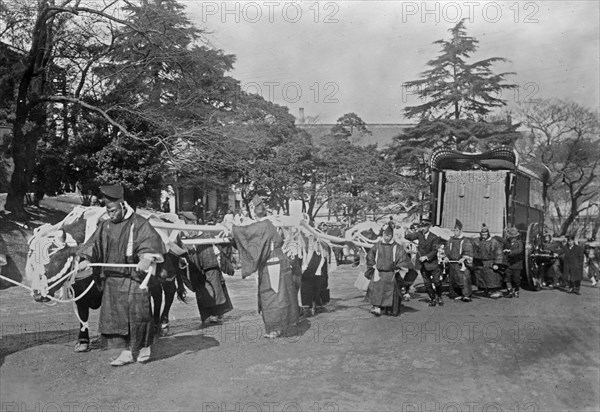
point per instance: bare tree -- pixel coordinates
(564, 136)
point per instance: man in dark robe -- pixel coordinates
(208, 282)
(428, 261)
(488, 261)
(459, 254)
(572, 256)
(125, 238)
(260, 250)
(515, 253)
(384, 260)
(551, 273)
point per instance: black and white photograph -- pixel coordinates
(303, 205)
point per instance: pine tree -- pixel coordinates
(455, 88)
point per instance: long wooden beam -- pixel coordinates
(186, 227)
(213, 241)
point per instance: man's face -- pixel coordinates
(115, 210)
(484, 235)
(457, 232)
(260, 210)
(425, 228)
(387, 238)
(570, 242)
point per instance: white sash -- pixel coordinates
(274, 269)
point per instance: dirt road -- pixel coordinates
(536, 353)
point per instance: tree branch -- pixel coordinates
(104, 114)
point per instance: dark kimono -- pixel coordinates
(573, 263)
(460, 280)
(551, 270)
(385, 291)
(487, 254)
(125, 314)
(515, 256)
(207, 281)
(260, 245)
(314, 281)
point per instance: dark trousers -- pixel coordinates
(432, 281)
(311, 290)
(513, 276)
(408, 279)
(552, 272)
(92, 300)
(575, 284)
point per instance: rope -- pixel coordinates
(74, 299)
(70, 273)
(60, 275)
(84, 325)
(16, 283)
(49, 297)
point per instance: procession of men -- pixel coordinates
(292, 288)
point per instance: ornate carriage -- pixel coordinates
(495, 188)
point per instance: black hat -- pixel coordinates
(512, 232)
(256, 200)
(389, 230)
(458, 225)
(112, 192)
(425, 222)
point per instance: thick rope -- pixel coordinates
(70, 273)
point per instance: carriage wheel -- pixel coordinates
(532, 269)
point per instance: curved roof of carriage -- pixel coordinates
(500, 158)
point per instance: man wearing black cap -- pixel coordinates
(125, 238)
(430, 269)
(384, 259)
(515, 253)
(460, 254)
(573, 265)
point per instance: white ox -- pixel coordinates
(83, 221)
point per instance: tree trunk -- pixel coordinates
(25, 143)
(596, 227)
(573, 213)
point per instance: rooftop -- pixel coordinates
(382, 133)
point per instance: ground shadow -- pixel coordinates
(177, 327)
(407, 309)
(334, 305)
(170, 346)
(13, 339)
(39, 215)
(11, 271)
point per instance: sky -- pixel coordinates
(336, 57)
